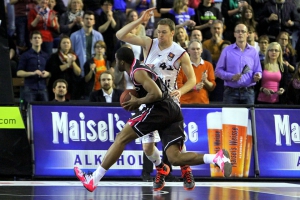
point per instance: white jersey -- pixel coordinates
(164, 62)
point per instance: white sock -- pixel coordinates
(155, 157)
(183, 150)
(208, 158)
(98, 174)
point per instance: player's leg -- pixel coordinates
(153, 155)
(221, 159)
(114, 152)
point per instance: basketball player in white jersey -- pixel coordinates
(166, 58)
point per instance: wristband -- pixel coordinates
(195, 87)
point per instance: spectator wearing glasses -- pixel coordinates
(263, 42)
(273, 85)
(239, 77)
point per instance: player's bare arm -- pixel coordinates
(187, 68)
(125, 35)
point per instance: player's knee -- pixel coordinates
(124, 138)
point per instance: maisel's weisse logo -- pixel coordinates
(286, 129)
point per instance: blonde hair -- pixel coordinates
(186, 38)
(70, 2)
(178, 5)
(279, 59)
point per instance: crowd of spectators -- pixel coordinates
(75, 40)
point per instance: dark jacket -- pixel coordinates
(285, 11)
(97, 96)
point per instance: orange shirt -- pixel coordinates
(194, 96)
(100, 67)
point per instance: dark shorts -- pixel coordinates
(164, 116)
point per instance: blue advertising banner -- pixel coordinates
(69, 135)
(278, 142)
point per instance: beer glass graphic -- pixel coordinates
(249, 144)
(234, 134)
(214, 133)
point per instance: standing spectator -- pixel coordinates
(248, 18)
(131, 16)
(22, 9)
(94, 67)
(32, 68)
(213, 44)
(83, 40)
(182, 15)
(12, 57)
(108, 23)
(197, 35)
(120, 8)
(240, 68)
(205, 77)
(60, 89)
(277, 16)
(206, 13)
(272, 85)
(55, 33)
(59, 8)
(164, 7)
(43, 19)
(289, 53)
(10, 13)
(64, 64)
(107, 93)
(293, 91)
(231, 11)
(181, 37)
(263, 42)
(251, 38)
(72, 20)
(142, 5)
(92, 5)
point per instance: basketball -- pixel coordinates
(125, 96)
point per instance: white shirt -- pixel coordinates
(108, 97)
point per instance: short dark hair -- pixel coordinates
(103, 1)
(59, 81)
(89, 13)
(168, 22)
(36, 32)
(125, 54)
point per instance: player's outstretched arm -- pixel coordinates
(125, 35)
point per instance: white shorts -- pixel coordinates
(151, 137)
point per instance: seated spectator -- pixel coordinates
(94, 67)
(43, 19)
(263, 42)
(272, 86)
(205, 77)
(293, 91)
(64, 64)
(72, 20)
(206, 13)
(279, 15)
(107, 93)
(60, 89)
(142, 5)
(213, 44)
(197, 35)
(181, 37)
(251, 38)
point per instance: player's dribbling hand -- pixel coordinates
(132, 104)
